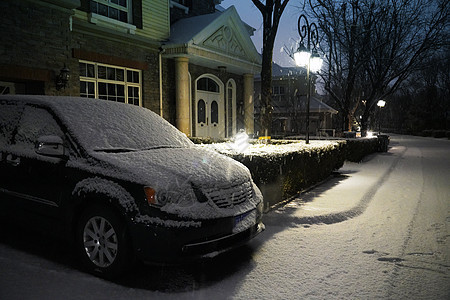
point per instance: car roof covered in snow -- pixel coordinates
(99, 124)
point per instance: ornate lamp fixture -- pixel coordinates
(307, 57)
(62, 78)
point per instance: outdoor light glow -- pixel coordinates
(302, 58)
(381, 103)
(241, 141)
(369, 134)
(315, 63)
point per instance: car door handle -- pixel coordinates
(12, 160)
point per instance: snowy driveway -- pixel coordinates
(379, 230)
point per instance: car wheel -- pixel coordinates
(102, 242)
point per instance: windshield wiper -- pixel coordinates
(124, 150)
(115, 150)
(162, 147)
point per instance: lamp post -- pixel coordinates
(307, 57)
(381, 104)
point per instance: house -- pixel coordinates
(289, 100)
(184, 59)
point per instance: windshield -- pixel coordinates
(108, 126)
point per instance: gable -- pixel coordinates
(220, 38)
(224, 40)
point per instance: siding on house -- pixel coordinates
(155, 19)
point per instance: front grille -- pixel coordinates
(230, 196)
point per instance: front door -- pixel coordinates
(210, 115)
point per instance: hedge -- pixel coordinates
(282, 169)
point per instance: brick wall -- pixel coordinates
(123, 54)
(35, 38)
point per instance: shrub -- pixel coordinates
(439, 133)
(282, 169)
(357, 149)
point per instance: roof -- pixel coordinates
(213, 40)
(187, 29)
(317, 105)
(279, 71)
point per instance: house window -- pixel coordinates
(187, 3)
(7, 88)
(110, 83)
(119, 10)
(214, 112)
(208, 85)
(201, 111)
(278, 90)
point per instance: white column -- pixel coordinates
(182, 94)
(249, 121)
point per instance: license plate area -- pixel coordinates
(244, 221)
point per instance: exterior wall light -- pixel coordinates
(62, 78)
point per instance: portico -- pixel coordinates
(215, 62)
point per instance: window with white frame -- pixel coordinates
(120, 10)
(186, 3)
(112, 83)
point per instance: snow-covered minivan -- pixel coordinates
(121, 182)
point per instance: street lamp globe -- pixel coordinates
(315, 62)
(381, 103)
(301, 56)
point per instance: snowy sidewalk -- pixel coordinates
(345, 195)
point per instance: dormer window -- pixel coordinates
(120, 10)
(181, 4)
(186, 3)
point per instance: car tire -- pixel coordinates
(102, 242)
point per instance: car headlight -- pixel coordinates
(154, 198)
(162, 198)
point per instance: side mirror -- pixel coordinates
(51, 145)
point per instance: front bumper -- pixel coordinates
(214, 247)
(159, 244)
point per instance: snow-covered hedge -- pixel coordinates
(357, 149)
(283, 168)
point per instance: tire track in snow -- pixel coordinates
(405, 259)
(359, 208)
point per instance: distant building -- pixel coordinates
(289, 104)
(184, 59)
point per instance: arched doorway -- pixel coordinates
(209, 107)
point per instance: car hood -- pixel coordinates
(167, 166)
(178, 174)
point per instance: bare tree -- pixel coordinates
(373, 47)
(271, 11)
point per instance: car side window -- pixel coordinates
(9, 117)
(34, 123)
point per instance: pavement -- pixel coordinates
(346, 194)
